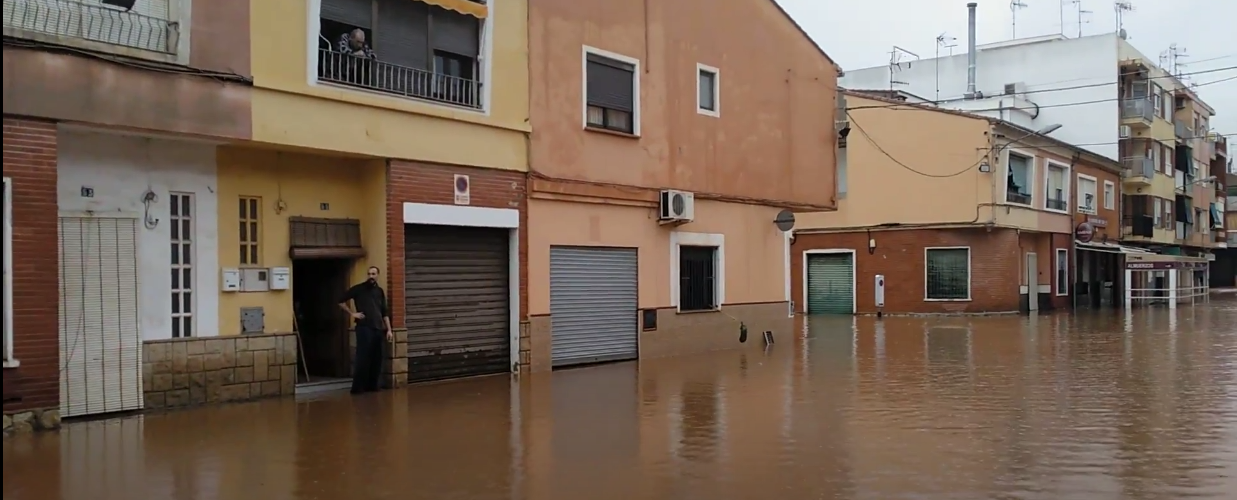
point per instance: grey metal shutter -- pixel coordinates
(593, 302)
(457, 301)
(455, 33)
(402, 35)
(610, 83)
(830, 284)
(357, 13)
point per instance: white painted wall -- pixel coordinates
(1042, 64)
(121, 169)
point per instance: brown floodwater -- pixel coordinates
(1092, 406)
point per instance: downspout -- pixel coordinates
(970, 51)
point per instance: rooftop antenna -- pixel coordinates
(1014, 7)
(895, 64)
(1081, 12)
(1121, 7)
(1174, 56)
(943, 40)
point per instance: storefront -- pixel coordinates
(1156, 279)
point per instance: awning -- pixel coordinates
(1110, 248)
(326, 252)
(468, 7)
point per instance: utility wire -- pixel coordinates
(898, 162)
(1073, 87)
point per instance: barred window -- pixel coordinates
(948, 273)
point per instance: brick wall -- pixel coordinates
(899, 255)
(415, 182)
(30, 164)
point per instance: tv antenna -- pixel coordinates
(1173, 60)
(1081, 12)
(1121, 7)
(1014, 7)
(895, 64)
(943, 41)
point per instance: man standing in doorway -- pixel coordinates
(372, 318)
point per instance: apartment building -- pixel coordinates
(971, 214)
(1111, 100)
(658, 170)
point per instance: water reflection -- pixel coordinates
(1101, 405)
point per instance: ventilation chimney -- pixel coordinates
(970, 51)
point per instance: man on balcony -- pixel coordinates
(356, 70)
(353, 44)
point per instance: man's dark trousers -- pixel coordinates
(367, 367)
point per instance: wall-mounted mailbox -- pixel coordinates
(279, 278)
(231, 280)
(255, 280)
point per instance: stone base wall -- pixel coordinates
(186, 372)
(21, 422)
(395, 361)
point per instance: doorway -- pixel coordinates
(1032, 282)
(317, 285)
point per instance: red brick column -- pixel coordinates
(30, 166)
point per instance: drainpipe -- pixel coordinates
(970, 51)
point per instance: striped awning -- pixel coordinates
(477, 9)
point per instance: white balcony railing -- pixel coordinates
(1139, 167)
(91, 21)
(379, 76)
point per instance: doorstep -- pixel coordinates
(323, 384)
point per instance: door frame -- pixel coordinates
(494, 218)
(854, 292)
(1032, 277)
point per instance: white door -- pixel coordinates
(100, 343)
(1032, 282)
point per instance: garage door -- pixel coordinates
(457, 301)
(593, 303)
(830, 284)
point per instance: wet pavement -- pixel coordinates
(1092, 406)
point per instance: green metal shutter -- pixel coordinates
(830, 284)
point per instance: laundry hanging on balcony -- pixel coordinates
(473, 8)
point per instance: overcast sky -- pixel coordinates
(860, 33)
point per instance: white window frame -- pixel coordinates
(635, 82)
(1066, 192)
(1110, 195)
(1095, 209)
(718, 241)
(1031, 170)
(717, 90)
(484, 68)
(1061, 287)
(9, 360)
(970, 285)
(181, 267)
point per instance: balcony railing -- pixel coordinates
(93, 22)
(1137, 108)
(1221, 144)
(1139, 167)
(1232, 238)
(1230, 204)
(1013, 196)
(1056, 204)
(1142, 226)
(1183, 131)
(379, 76)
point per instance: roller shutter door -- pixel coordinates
(457, 301)
(593, 301)
(830, 284)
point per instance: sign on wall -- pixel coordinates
(463, 192)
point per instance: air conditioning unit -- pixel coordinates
(1125, 132)
(677, 206)
(1017, 88)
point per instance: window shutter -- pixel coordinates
(454, 33)
(610, 83)
(357, 13)
(402, 36)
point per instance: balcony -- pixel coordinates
(1232, 239)
(1139, 171)
(378, 76)
(1183, 130)
(1220, 144)
(100, 26)
(1139, 111)
(1138, 226)
(1230, 204)
(1056, 204)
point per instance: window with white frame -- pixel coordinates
(1057, 182)
(1020, 170)
(1159, 223)
(1062, 284)
(708, 90)
(842, 169)
(947, 273)
(1110, 195)
(611, 92)
(697, 278)
(180, 219)
(1087, 202)
(7, 203)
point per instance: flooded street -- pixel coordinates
(1091, 406)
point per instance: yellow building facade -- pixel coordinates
(343, 136)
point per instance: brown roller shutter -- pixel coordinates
(457, 301)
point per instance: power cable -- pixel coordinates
(1062, 89)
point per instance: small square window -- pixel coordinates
(708, 90)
